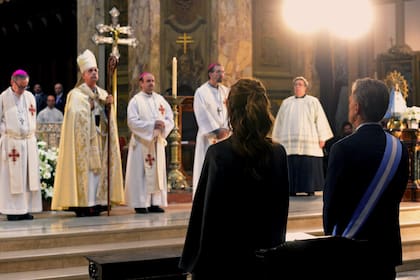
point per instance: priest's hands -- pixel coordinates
(109, 99)
(159, 127)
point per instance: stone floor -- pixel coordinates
(176, 213)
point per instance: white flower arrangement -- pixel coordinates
(412, 116)
(47, 165)
(412, 113)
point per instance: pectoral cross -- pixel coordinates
(115, 30)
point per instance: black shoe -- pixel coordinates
(80, 213)
(93, 211)
(155, 209)
(13, 217)
(102, 208)
(311, 193)
(293, 194)
(20, 217)
(141, 210)
(27, 217)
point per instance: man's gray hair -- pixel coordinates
(373, 98)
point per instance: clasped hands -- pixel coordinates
(159, 128)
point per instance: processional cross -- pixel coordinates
(115, 30)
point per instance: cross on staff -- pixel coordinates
(184, 39)
(115, 30)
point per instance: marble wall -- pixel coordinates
(232, 44)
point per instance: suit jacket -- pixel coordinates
(234, 214)
(60, 103)
(353, 162)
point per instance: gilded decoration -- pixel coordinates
(394, 79)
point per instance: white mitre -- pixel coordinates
(86, 61)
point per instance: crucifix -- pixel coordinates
(184, 39)
(115, 30)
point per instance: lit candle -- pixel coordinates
(174, 73)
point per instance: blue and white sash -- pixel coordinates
(383, 176)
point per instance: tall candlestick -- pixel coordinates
(174, 74)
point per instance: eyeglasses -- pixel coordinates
(21, 87)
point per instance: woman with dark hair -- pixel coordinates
(242, 198)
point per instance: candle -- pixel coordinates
(174, 73)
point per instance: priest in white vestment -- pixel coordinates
(50, 114)
(81, 182)
(20, 191)
(302, 127)
(150, 119)
(211, 114)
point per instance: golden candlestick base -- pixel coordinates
(176, 179)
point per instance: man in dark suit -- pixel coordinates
(40, 97)
(352, 164)
(60, 97)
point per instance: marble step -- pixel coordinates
(312, 222)
(88, 238)
(70, 273)
(71, 256)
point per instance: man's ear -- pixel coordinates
(356, 108)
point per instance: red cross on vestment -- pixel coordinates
(32, 109)
(14, 154)
(149, 159)
(162, 110)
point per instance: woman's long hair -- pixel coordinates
(251, 121)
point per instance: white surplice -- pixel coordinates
(145, 180)
(300, 124)
(211, 114)
(20, 191)
(48, 115)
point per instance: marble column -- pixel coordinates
(89, 14)
(231, 43)
(144, 17)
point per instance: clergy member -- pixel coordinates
(211, 114)
(301, 126)
(150, 120)
(20, 191)
(81, 182)
(50, 114)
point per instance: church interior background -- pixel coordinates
(248, 38)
